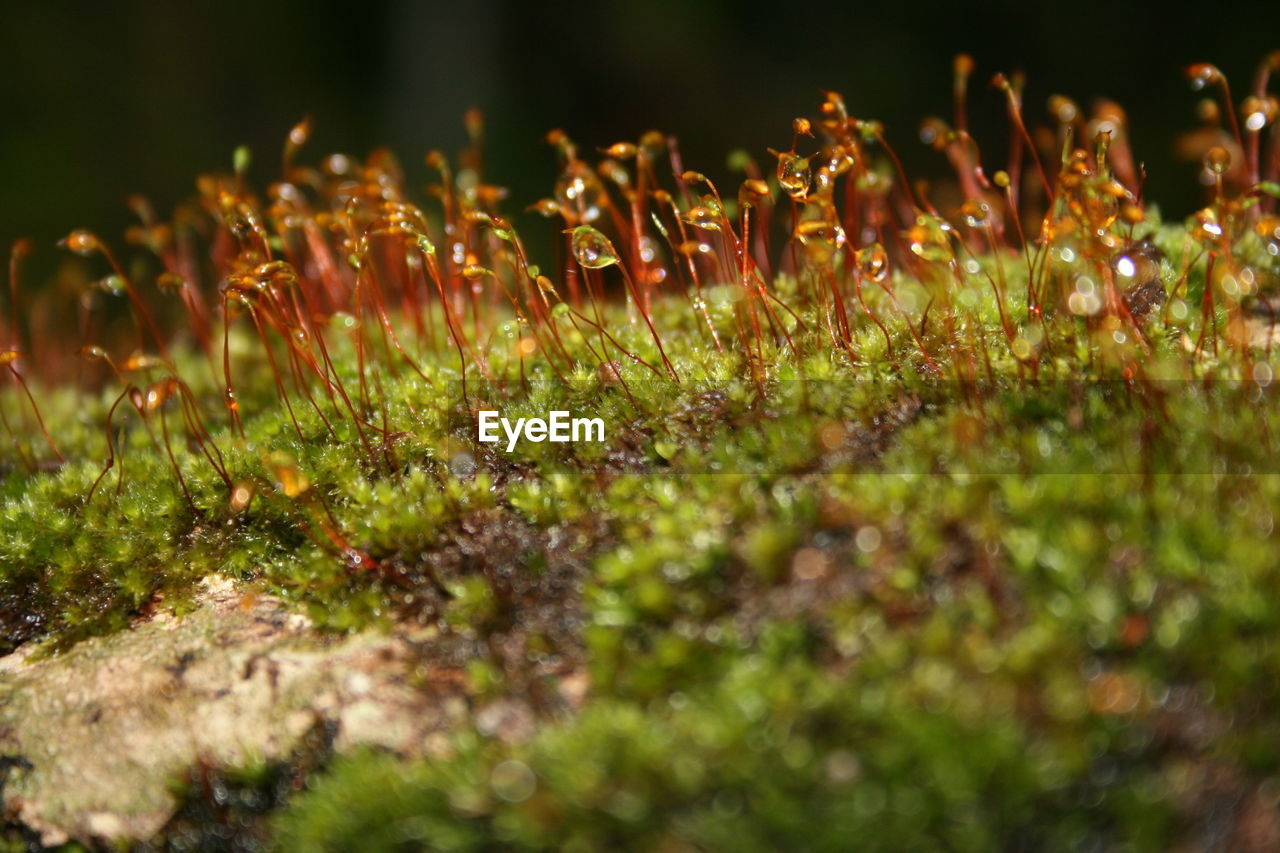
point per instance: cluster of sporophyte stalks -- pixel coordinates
(260, 360)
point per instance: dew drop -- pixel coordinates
(580, 190)
(592, 249)
(1217, 160)
(976, 213)
(547, 207)
(112, 284)
(701, 217)
(1202, 74)
(462, 465)
(81, 242)
(873, 262)
(794, 174)
(820, 238)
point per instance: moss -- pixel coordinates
(930, 546)
(829, 601)
(776, 754)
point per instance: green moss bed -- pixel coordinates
(982, 578)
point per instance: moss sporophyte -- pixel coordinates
(742, 476)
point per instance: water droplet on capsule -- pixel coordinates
(592, 249)
(546, 207)
(976, 213)
(579, 190)
(873, 262)
(1217, 160)
(1258, 112)
(694, 247)
(112, 284)
(81, 242)
(794, 174)
(820, 238)
(701, 217)
(1202, 74)
(300, 132)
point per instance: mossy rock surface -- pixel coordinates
(906, 533)
(99, 736)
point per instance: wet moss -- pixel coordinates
(930, 549)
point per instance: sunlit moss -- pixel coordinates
(956, 542)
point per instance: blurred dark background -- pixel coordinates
(101, 100)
